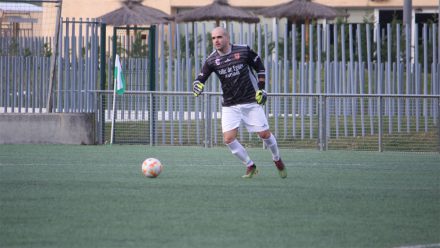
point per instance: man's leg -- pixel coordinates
(271, 143)
(230, 139)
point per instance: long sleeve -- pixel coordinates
(256, 63)
(205, 73)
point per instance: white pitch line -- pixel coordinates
(421, 246)
(2, 164)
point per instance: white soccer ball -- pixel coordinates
(151, 167)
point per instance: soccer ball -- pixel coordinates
(151, 167)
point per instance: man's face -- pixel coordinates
(220, 41)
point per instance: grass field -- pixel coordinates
(95, 196)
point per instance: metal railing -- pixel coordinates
(318, 121)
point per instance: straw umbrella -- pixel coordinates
(133, 12)
(301, 10)
(217, 10)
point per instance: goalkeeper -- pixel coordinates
(243, 96)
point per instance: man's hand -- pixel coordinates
(198, 88)
(261, 97)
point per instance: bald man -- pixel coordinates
(243, 97)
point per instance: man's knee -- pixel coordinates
(228, 139)
(229, 136)
(264, 134)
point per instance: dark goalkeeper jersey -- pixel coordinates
(238, 82)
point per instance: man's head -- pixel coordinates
(220, 39)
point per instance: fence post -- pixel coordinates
(322, 123)
(380, 132)
(53, 59)
(438, 122)
(208, 120)
(99, 118)
(101, 97)
(151, 117)
(152, 81)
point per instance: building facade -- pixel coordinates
(372, 10)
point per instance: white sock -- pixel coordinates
(271, 143)
(238, 150)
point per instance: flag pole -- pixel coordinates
(112, 132)
(119, 88)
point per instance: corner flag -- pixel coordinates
(119, 87)
(119, 77)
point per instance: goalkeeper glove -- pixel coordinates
(198, 88)
(261, 97)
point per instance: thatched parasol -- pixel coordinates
(300, 10)
(218, 10)
(133, 12)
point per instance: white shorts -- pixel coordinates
(251, 114)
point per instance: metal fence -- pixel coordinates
(336, 58)
(319, 121)
(347, 67)
(25, 70)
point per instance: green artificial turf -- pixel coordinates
(96, 196)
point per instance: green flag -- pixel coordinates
(119, 77)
